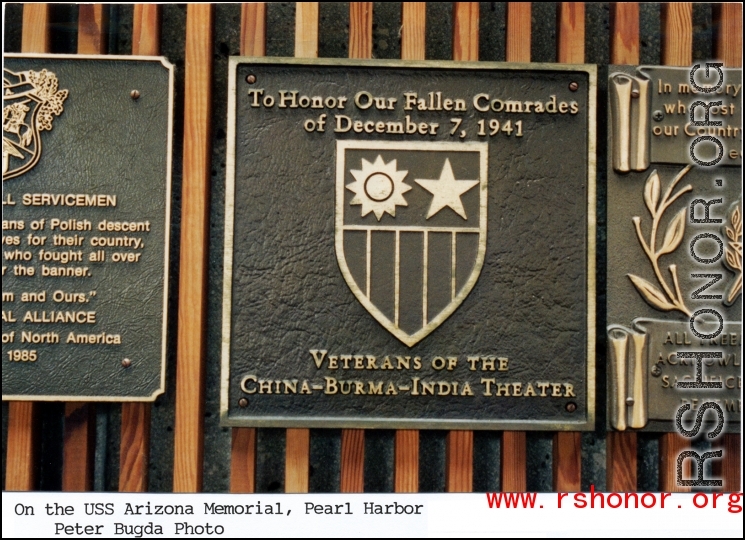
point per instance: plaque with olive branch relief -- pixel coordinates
(674, 250)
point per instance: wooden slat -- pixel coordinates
(297, 462)
(306, 30)
(80, 418)
(353, 440)
(352, 461)
(567, 469)
(243, 447)
(459, 462)
(466, 31)
(146, 30)
(677, 47)
(297, 447)
(728, 468)
(78, 447)
(189, 425)
(514, 461)
(671, 445)
(406, 472)
(514, 450)
(728, 25)
(93, 22)
(413, 29)
(35, 34)
(243, 461)
(677, 34)
(624, 28)
(517, 47)
(621, 461)
(728, 47)
(21, 463)
(406, 451)
(253, 29)
(459, 444)
(360, 29)
(134, 449)
(570, 39)
(621, 446)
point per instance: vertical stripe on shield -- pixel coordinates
(411, 281)
(383, 272)
(439, 272)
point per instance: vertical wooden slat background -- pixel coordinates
(677, 50)
(621, 447)
(514, 450)
(621, 453)
(80, 418)
(297, 442)
(570, 49)
(134, 447)
(243, 447)
(728, 48)
(189, 425)
(459, 444)
(23, 416)
(406, 443)
(353, 440)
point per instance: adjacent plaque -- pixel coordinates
(86, 213)
(409, 245)
(674, 245)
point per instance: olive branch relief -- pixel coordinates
(670, 298)
(733, 259)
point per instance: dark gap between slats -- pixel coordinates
(280, 28)
(325, 461)
(432, 461)
(492, 31)
(486, 461)
(172, 46)
(379, 448)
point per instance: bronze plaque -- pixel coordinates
(86, 217)
(674, 245)
(409, 245)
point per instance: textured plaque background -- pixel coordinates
(104, 142)
(288, 294)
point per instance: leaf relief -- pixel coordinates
(652, 192)
(651, 294)
(674, 233)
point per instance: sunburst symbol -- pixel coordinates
(379, 187)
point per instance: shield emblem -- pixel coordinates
(411, 229)
(30, 102)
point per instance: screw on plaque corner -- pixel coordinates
(573, 86)
(126, 363)
(243, 403)
(135, 94)
(250, 79)
(571, 407)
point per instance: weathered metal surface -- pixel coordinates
(86, 211)
(409, 244)
(674, 246)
